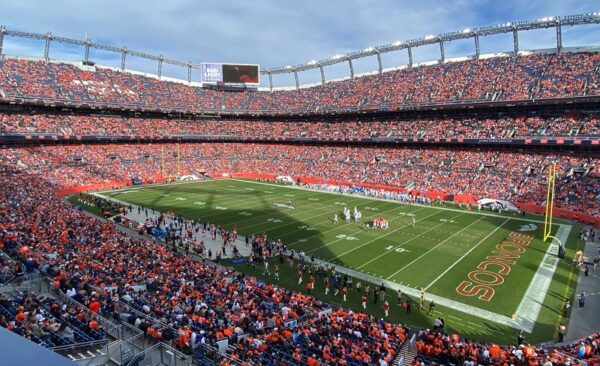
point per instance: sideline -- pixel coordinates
(414, 292)
(519, 218)
(531, 303)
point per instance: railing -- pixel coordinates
(19, 284)
(109, 327)
(83, 350)
(161, 354)
(6, 278)
(324, 109)
(207, 349)
(122, 352)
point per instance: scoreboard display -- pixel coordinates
(232, 74)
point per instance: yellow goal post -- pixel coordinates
(548, 215)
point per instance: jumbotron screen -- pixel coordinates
(230, 73)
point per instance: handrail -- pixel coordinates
(82, 344)
(160, 347)
(192, 108)
(109, 327)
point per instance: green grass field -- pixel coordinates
(438, 255)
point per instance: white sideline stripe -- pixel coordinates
(151, 185)
(531, 304)
(398, 202)
(452, 304)
(406, 241)
(442, 242)
(233, 203)
(225, 203)
(466, 254)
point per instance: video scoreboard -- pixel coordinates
(229, 74)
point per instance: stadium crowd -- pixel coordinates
(469, 127)
(515, 176)
(102, 268)
(533, 75)
(117, 275)
(47, 322)
(99, 266)
(436, 347)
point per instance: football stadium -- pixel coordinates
(410, 203)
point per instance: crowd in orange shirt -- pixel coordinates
(201, 301)
(529, 76)
(519, 177)
(568, 125)
(441, 348)
(102, 264)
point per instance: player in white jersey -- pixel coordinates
(414, 221)
(335, 218)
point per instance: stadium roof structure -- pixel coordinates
(17, 350)
(556, 22)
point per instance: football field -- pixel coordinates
(486, 266)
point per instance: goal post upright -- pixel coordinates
(549, 211)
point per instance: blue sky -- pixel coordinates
(275, 33)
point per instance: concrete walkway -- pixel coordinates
(209, 243)
(585, 321)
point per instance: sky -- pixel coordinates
(279, 32)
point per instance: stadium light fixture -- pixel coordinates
(337, 57)
(368, 49)
(288, 66)
(398, 43)
(428, 37)
(312, 62)
(467, 30)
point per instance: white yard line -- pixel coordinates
(435, 247)
(298, 219)
(171, 200)
(466, 254)
(236, 203)
(334, 228)
(343, 225)
(400, 245)
(370, 241)
(531, 304)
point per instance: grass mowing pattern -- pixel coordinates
(432, 255)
